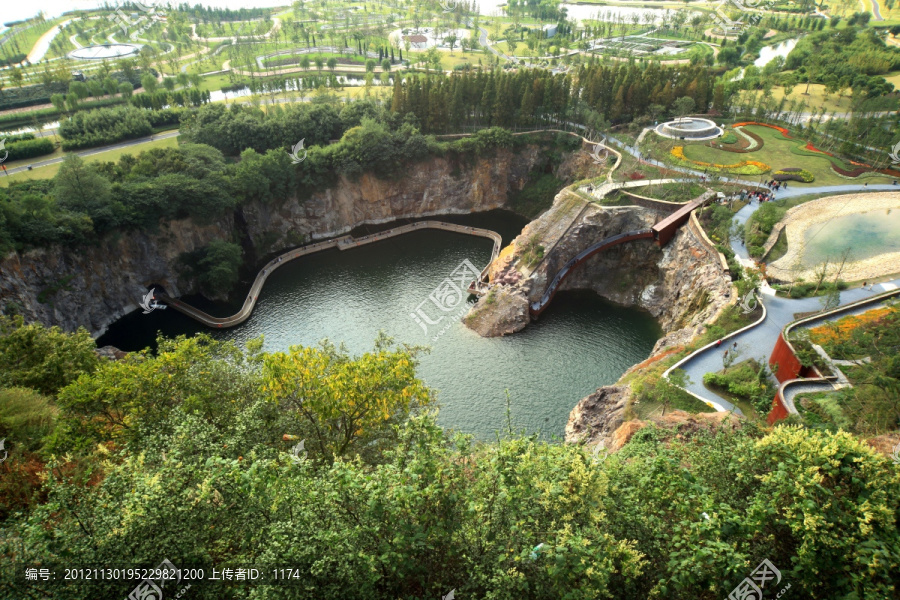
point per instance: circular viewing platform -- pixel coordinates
(689, 128)
(104, 51)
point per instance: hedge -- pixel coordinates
(23, 149)
(104, 126)
(794, 174)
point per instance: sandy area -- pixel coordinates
(799, 218)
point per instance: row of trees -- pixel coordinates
(84, 202)
(620, 92)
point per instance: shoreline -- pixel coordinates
(800, 218)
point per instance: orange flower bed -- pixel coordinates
(811, 148)
(781, 130)
(825, 334)
(678, 152)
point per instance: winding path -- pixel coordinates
(758, 339)
(342, 243)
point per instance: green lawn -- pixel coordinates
(111, 155)
(776, 152)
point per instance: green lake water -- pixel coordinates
(580, 343)
(866, 234)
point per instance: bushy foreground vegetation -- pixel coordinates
(183, 455)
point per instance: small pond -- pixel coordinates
(868, 234)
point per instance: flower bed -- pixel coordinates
(743, 145)
(809, 146)
(849, 173)
(793, 174)
(840, 330)
(745, 167)
(781, 130)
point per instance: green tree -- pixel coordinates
(41, 358)
(149, 83)
(218, 268)
(79, 187)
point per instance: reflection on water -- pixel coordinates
(581, 342)
(770, 53)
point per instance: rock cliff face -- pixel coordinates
(93, 286)
(681, 285)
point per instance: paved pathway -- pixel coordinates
(758, 342)
(342, 243)
(92, 151)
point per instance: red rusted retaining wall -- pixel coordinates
(789, 366)
(778, 411)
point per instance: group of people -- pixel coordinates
(776, 185)
(757, 195)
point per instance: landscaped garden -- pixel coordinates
(871, 340)
(769, 152)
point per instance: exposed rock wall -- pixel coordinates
(682, 285)
(93, 286)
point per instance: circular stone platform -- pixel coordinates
(105, 51)
(689, 128)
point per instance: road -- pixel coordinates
(483, 41)
(92, 151)
(876, 11)
(758, 341)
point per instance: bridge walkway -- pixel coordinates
(662, 232)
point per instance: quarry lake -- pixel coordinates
(580, 343)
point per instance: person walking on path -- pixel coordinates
(718, 343)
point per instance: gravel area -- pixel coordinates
(799, 218)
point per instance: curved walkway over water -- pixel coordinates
(538, 307)
(342, 243)
(662, 232)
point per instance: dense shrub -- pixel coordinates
(384, 504)
(793, 174)
(23, 149)
(104, 126)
